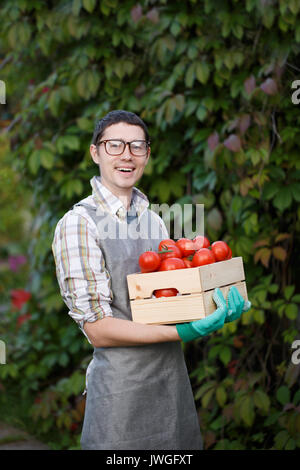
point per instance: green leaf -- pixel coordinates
(179, 102)
(259, 316)
(272, 418)
(288, 292)
(203, 389)
(88, 82)
(221, 396)
(217, 423)
(261, 400)
(297, 33)
(291, 311)
(71, 187)
(85, 124)
(273, 288)
(283, 395)
(283, 198)
(175, 28)
(76, 7)
(237, 31)
(47, 158)
(207, 397)
(202, 72)
(89, 5)
(34, 162)
(71, 142)
(201, 113)
(128, 40)
(269, 190)
(170, 109)
(295, 187)
(66, 94)
(247, 410)
(225, 355)
(296, 399)
(281, 439)
(290, 445)
(190, 76)
(63, 359)
(268, 17)
(54, 102)
(214, 351)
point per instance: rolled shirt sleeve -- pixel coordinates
(80, 270)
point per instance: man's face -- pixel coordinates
(111, 175)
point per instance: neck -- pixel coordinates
(124, 194)
(126, 200)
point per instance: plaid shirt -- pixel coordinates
(83, 280)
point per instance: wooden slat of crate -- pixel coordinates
(179, 309)
(187, 281)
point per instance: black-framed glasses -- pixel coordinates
(115, 147)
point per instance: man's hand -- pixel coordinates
(207, 325)
(215, 321)
(236, 305)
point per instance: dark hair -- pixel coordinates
(114, 117)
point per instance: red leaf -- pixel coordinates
(233, 143)
(23, 318)
(19, 297)
(153, 15)
(279, 253)
(244, 123)
(250, 84)
(213, 140)
(269, 86)
(136, 13)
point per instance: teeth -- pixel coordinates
(125, 169)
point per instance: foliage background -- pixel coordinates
(213, 82)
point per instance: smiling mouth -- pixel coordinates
(125, 170)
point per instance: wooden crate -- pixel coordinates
(195, 286)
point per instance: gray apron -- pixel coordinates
(138, 397)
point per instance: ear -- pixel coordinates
(94, 153)
(148, 156)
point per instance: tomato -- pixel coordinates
(149, 261)
(167, 242)
(202, 257)
(188, 261)
(165, 292)
(171, 263)
(229, 256)
(186, 246)
(220, 249)
(201, 242)
(173, 252)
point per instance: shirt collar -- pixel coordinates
(111, 203)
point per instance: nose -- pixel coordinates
(126, 154)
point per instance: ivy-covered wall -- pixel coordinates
(213, 81)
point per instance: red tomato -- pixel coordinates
(229, 256)
(173, 252)
(201, 242)
(171, 263)
(165, 292)
(188, 262)
(149, 261)
(202, 257)
(167, 242)
(186, 246)
(220, 249)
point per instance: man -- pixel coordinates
(138, 390)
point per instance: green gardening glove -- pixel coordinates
(236, 305)
(205, 326)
